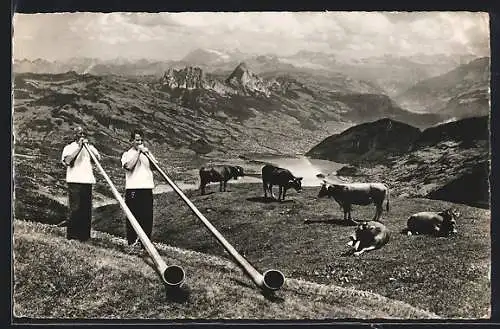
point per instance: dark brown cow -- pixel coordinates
(368, 236)
(434, 223)
(272, 175)
(219, 174)
(357, 193)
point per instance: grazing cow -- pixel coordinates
(219, 174)
(272, 175)
(434, 223)
(357, 193)
(368, 236)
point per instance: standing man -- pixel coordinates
(79, 177)
(139, 186)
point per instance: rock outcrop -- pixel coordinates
(193, 78)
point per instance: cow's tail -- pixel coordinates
(387, 205)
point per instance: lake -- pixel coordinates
(300, 166)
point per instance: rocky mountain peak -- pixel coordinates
(192, 78)
(248, 82)
(240, 71)
(186, 78)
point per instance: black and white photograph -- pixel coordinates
(251, 165)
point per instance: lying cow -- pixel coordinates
(357, 193)
(434, 223)
(368, 236)
(219, 174)
(272, 175)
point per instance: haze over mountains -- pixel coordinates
(392, 73)
(463, 91)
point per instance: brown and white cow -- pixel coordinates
(359, 194)
(434, 223)
(219, 174)
(272, 175)
(368, 236)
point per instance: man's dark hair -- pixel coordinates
(134, 132)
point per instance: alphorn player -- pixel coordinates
(139, 186)
(79, 177)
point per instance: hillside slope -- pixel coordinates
(57, 278)
(462, 92)
(369, 142)
(449, 161)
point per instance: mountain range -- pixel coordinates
(391, 73)
(462, 92)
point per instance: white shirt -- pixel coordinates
(81, 172)
(141, 177)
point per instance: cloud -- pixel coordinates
(172, 35)
(152, 20)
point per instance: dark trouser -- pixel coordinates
(80, 211)
(140, 203)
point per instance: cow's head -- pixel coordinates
(295, 183)
(240, 171)
(332, 190)
(454, 212)
(363, 226)
(450, 217)
(236, 171)
(323, 191)
(364, 229)
(337, 191)
(361, 236)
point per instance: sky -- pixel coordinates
(170, 36)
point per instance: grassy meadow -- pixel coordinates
(446, 276)
(100, 279)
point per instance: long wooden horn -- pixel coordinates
(269, 280)
(172, 275)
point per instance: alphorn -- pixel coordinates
(269, 280)
(173, 275)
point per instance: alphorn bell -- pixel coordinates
(269, 280)
(173, 275)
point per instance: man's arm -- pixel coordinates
(129, 159)
(69, 160)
